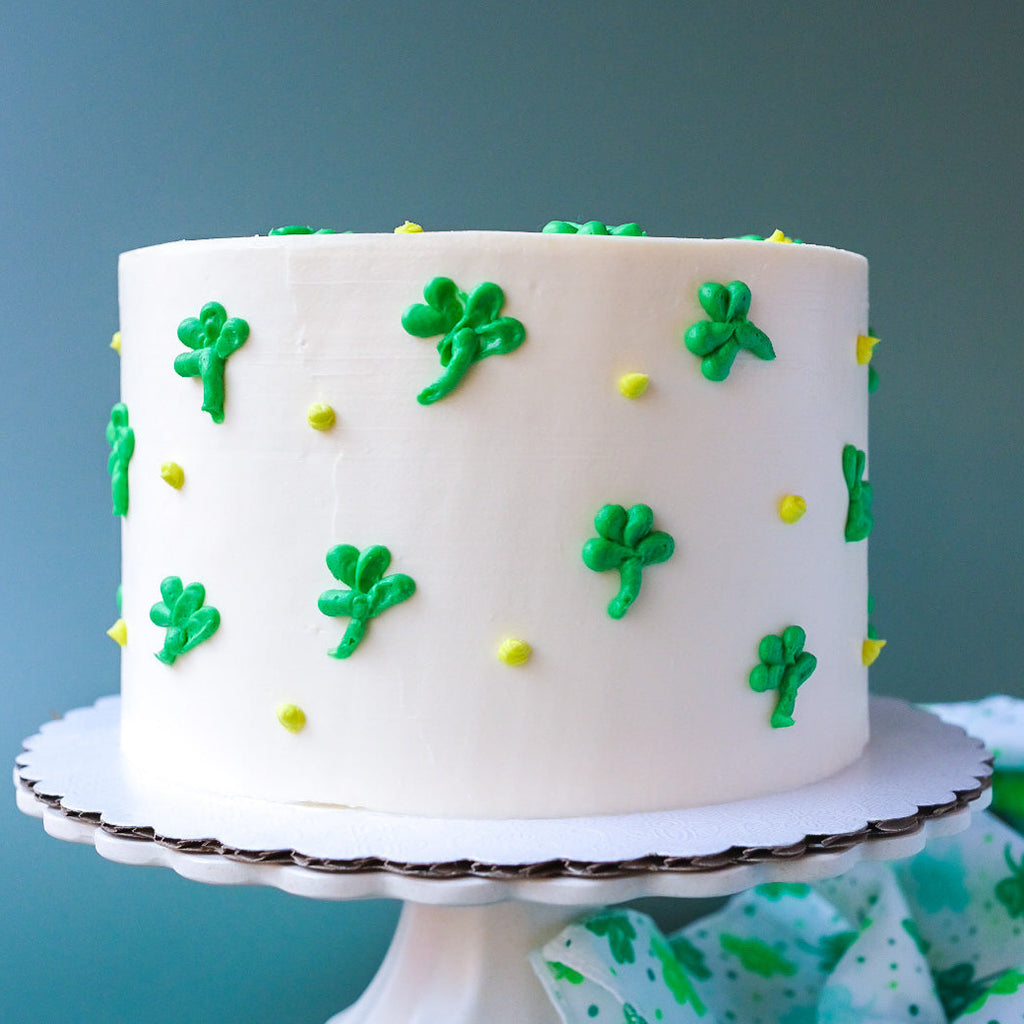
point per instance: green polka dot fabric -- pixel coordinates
(935, 938)
(999, 720)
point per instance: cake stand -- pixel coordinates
(479, 895)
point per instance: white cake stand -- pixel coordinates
(479, 895)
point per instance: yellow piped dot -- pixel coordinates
(865, 348)
(514, 652)
(292, 717)
(118, 632)
(408, 228)
(778, 236)
(115, 342)
(792, 507)
(320, 416)
(633, 385)
(171, 473)
(870, 650)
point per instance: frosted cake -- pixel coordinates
(493, 524)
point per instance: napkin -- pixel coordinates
(935, 938)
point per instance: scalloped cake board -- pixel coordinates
(919, 777)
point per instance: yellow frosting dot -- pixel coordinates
(292, 717)
(870, 650)
(514, 652)
(119, 632)
(792, 507)
(778, 236)
(865, 348)
(320, 416)
(115, 342)
(633, 385)
(172, 474)
(408, 228)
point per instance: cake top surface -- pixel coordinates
(614, 239)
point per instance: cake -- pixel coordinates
(618, 567)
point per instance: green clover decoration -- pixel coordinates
(212, 337)
(674, 975)
(961, 993)
(184, 616)
(757, 956)
(785, 666)
(617, 928)
(591, 227)
(121, 439)
(626, 542)
(1010, 891)
(301, 229)
(372, 592)
(470, 330)
(718, 340)
(859, 517)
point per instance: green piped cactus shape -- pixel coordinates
(184, 615)
(213, 336)
(718, 340)
(591, 227)
(785, 667)
(121, 439)
(859, 518)
(627, 542)
(470, 330)
(372, 592)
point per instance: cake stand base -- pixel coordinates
(463, 965)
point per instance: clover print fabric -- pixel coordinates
(936, 938)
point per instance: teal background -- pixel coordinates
(892, 129)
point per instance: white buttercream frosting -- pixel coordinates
(486, 499)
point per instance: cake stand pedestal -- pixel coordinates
(480, 895)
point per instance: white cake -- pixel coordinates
(486, 498)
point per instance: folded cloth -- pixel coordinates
(935, 938)
(999, 721)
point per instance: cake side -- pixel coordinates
(486, 499)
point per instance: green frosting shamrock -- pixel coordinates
(591, 227)
(470, 330)
(185, 618)
(212, 337)
(785, 667)
(121, 439)
(718, 340)
(626, 542)
(859, 518)
(372, 592)
(301, 229)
